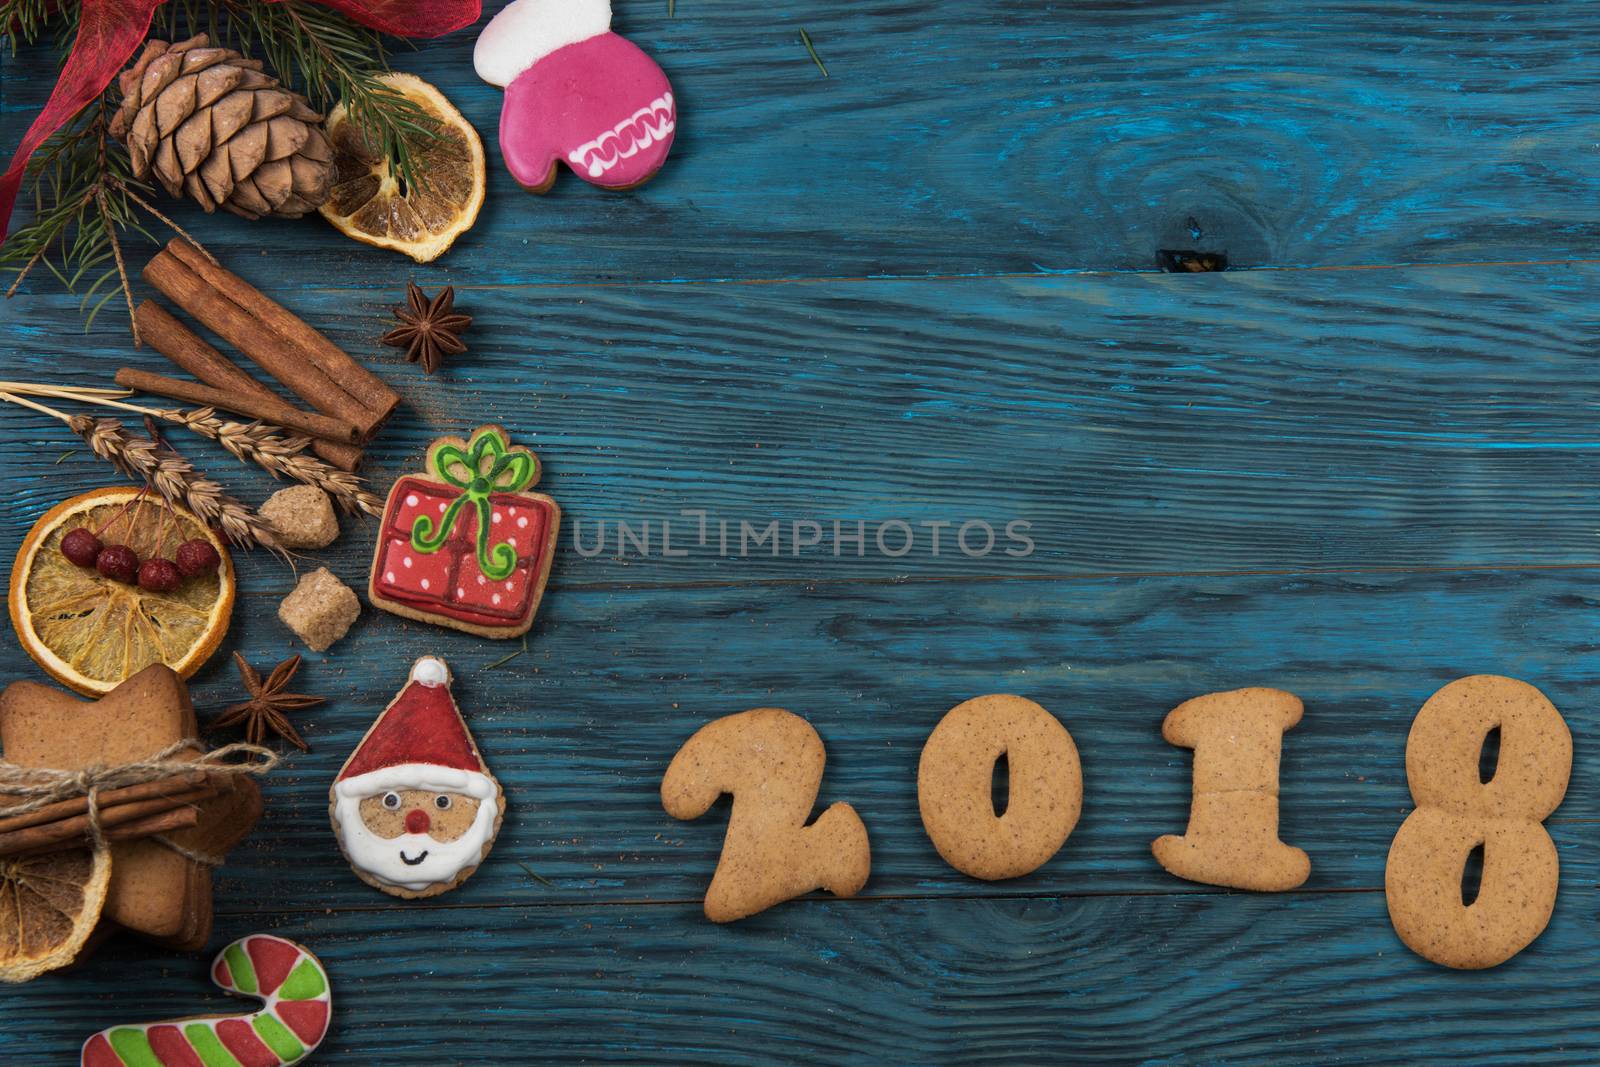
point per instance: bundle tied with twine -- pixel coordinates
(54, 796)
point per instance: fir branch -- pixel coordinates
(23, 21)
(82, 198)
(329, 58)
(83, 193)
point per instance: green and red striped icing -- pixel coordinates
(293, 1019)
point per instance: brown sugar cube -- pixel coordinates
(320, 610)
(303, 516)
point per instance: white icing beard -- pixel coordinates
(414, 861)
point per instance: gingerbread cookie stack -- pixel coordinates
(159, 883)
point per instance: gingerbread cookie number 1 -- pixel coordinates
(1457, 811)
(771, 761)
(1232, 839)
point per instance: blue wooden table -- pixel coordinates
(924, 290)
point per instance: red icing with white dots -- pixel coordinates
(448, 582)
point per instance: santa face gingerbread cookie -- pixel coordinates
(415, 808)
(576, 93)
(465, 545)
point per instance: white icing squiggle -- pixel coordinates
(627, 138)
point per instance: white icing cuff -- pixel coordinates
(426, 776)
(430, 671)
(528, 30)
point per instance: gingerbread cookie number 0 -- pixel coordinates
(771, 761)
(955, 778)
(1457, 811)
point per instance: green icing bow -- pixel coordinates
(508, 472)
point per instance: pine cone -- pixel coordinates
(210, 124)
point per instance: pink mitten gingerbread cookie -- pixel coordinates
(464, 545)
(576, 93)
(415, 808)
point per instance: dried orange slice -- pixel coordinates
(371, 203)
(49, 906)
(90, 632)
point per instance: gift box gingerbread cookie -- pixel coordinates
(576, 93)
(465, 545)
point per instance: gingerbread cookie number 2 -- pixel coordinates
(771, 761)
(1457, 811)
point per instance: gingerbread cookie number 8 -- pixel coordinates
(1457, 811)
(771, 761)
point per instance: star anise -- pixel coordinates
(267, 704)
(429, 330)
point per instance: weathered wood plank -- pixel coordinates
(1033, 137)
(1425, 417)
(581, 727)
(1225, 979)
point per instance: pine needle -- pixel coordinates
(22, 21)
(503, 660)
(330, 58)
(536, 875)
(805, 39)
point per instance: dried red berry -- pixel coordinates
(198, 557)
(159, 576)
(118, 563)
(81, 547)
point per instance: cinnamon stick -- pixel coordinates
(222, 315)
(165, 823)
(111, 798)
(77, 827)
(240, 404)
(185, 348)
(373, 393)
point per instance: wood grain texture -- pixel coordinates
(614, 681)
(1353, 484)
(1025, 136)
(1258, 420)
(1229, 979)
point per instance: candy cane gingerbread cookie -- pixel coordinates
(576, 93)
(295, 1011)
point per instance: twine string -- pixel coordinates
(39, 787)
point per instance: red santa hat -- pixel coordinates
(418, 742)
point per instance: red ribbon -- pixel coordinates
(110, 30)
